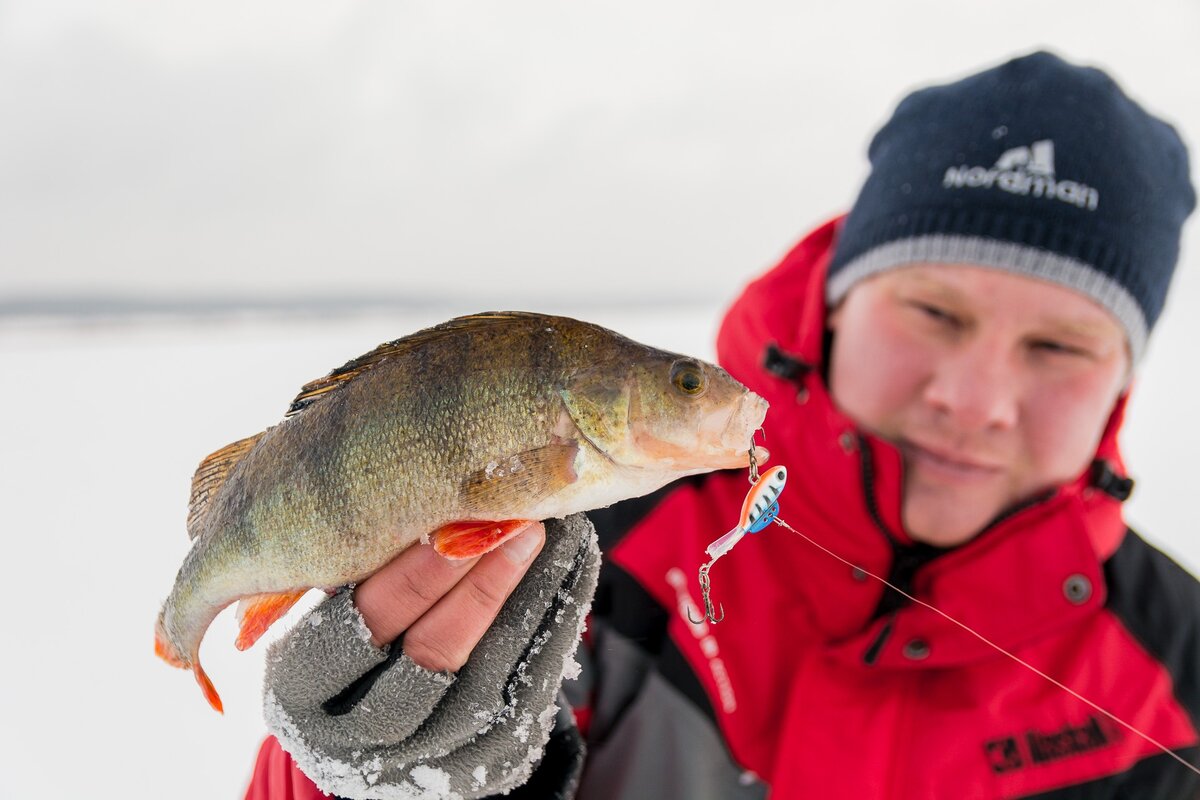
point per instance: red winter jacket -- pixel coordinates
(821, 684)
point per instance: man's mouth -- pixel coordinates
(950, 463)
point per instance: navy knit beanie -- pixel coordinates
(1038, 167)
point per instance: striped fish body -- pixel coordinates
(496, 417)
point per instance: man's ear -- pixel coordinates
(833, 317)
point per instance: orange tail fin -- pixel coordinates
(474, 538)
(258, 612)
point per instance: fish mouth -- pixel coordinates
(745, 419)
(723, 439)
(741, 459)
(736, 440)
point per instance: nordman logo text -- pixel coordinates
(1024, 171)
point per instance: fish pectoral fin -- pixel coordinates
(209, 476)
(472, 538)
(258, 612)
(521, 480)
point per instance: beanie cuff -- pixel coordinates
(995, 254)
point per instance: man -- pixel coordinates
(947, 369)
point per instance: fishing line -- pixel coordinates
(761, 507)
(997, 648)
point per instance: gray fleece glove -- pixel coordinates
(368, 723)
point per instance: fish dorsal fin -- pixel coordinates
(209, 476)
(313, 391)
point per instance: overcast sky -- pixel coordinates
(527, 150)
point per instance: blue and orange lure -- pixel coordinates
(759, 509)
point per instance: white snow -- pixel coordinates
(102, 425)
(546, 718)
(479, 775)
(431, 779)
(571, 668)
(522, 729)
(360, 626)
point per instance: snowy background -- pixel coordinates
(203, 206)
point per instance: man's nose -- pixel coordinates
(977, 386)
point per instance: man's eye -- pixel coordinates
(938, 314)
(1057, 348)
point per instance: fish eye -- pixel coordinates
(688, 378)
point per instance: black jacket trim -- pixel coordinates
(1154, 778)
(1156, 600)
(626, 607)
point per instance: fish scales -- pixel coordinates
(401, 459)
(502, 416)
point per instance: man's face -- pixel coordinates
(994, 386)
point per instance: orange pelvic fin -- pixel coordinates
(474, 538)
(258, 612)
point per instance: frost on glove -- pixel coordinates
(364, 722)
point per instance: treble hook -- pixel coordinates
(706, 593)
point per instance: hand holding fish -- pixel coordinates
(442, 606)
(364, 721)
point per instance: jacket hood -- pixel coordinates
(844, 493)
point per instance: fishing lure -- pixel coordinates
(759, 509)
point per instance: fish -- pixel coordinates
(458, 435)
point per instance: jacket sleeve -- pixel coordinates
(276, 777)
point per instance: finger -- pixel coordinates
(445, 636)
(396, 596)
